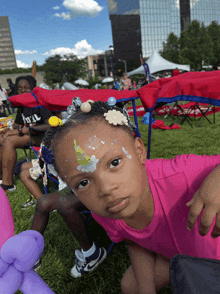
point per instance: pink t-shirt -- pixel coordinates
(173, 183)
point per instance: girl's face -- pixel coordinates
(116, 187)
(24, 87)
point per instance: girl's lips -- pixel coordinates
(119, 206)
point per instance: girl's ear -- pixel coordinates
(140, 149)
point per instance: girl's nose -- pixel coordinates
(107, 186)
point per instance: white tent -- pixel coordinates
(157, 63)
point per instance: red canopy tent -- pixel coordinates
(201, 87)
(58, 100)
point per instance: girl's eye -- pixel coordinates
(115, 162)
(82, 184)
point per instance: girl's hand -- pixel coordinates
(207, 197)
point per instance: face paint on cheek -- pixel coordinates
(87, 163)
(126, 152)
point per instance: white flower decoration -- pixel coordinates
(115, 117)
(91, 167)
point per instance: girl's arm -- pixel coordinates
(207, 197)
(143, 263)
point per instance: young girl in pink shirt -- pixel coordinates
(145, 202)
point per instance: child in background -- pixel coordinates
(66, 203)
(144, 202)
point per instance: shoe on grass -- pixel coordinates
(31, 202)
(37, 265)
(8, 188)
(87, 264)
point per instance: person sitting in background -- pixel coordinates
(19, 137)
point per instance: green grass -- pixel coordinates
(60, 245)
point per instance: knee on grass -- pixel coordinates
(65, 206)
(43, 204)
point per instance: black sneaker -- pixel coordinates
(37, 265)
(8, 188)
(88, 264)
(29, 203)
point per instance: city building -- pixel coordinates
(7, 55)
(125, 23)
(140, 26)
(101, 64)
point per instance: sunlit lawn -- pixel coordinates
(58, 256)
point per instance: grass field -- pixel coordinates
(58, 256)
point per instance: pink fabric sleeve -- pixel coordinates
(196, 168)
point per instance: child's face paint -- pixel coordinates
(114, 179)
(126, 152)
(87, 163)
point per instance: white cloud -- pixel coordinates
(56, 7)
(23, 64)
(77, 8)
(81, 49)
(20, 52)
(64, 15)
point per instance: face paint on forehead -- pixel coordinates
(87, 163)
(126, 152)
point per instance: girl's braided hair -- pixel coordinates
(98, 109)
(49, 135)
(47, 139)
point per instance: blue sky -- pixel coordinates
(46, 27)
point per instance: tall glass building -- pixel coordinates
(7, 55)
(126, 33)
(158, 18)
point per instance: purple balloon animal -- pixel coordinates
(18, 255)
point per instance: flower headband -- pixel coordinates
(113, 116)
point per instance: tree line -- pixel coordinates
(196, 46)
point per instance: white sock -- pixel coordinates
(90, 251)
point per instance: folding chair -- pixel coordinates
(192, 275)
(36, 149)
(197, 106)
